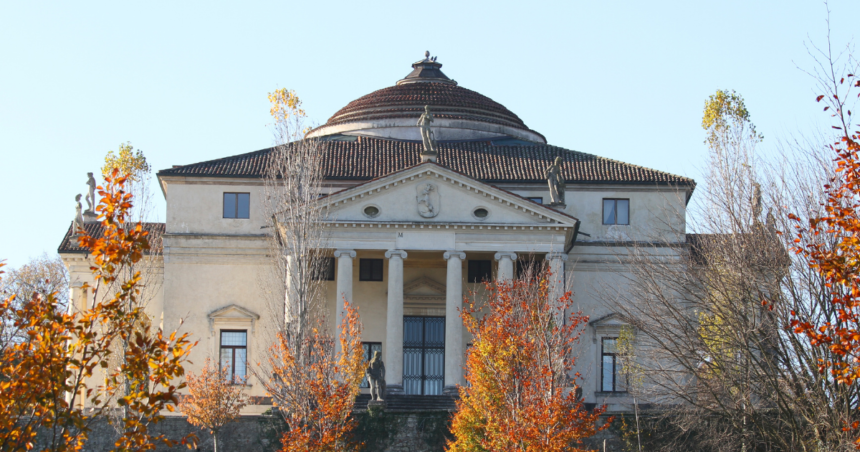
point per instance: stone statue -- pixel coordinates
(427, 134)
(428, 201)
(756, 202)
(78, 222)
(555, 180)
(376, 376)
(91, 193)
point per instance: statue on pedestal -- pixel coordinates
(91, 193)
(376, 376)
(78, 222)
(555, 180)
(427, 137)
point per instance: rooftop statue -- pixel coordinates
(555, 180)
(376, 376)
(427, 135)
(91, 193)
(78, 222)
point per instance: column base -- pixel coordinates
(393, 389)
(451, 390)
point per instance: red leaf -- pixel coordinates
(818, 99)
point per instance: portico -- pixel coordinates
(425, 278)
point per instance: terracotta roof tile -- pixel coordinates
(369, 158)
(70, 245)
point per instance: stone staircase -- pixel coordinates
(405, 403)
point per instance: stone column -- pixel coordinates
(344, 286)
(506, 266)
(556, 266)
(453, 325)
(394, 322)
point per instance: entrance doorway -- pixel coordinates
(423, 355)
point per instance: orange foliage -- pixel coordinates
(520, 396)
(45, 376)
(838, 258)
(213, 400)
(315, 385)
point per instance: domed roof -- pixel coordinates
(460, 114)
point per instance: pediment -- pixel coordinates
(424, 287)
(430, 193)
(233, 312)
(610, 320)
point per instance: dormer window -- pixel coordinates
(237, 205)
(616, 211)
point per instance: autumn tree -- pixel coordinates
(712, 312)
(45, 275)
(314, 384)
(837, 259)
(312, 372)
(213, 400)
(521, 394)
(50, 374)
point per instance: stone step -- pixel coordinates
(406, 402)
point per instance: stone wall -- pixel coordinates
(420, 431)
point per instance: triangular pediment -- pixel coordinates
(233, 311)
(424, 287)
(430, 193)
(610, 320)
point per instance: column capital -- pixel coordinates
(502, 255)
(453, 253)
(551, 256)
(350, 253)
(399, 253)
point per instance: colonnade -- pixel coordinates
(454, 351)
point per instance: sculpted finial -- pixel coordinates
(555, 180)
(91, 192)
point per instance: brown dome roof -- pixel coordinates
(402, 104)
(408, 100)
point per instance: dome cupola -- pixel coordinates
(459, 114)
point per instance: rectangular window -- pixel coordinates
(237, 205)
(538, 199)
(610, 368)
(370, 269)
(325, 271)
(369, 348)
(480, 271)
(616, 211)
(234, 354)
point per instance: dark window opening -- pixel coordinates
(237, 205)
(234, 354)
(538, 199)
(370, 270)
(616, 211)
(369, 348)
(480, 271)
(528, 267)
(325, 269)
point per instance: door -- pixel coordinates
(423, 355)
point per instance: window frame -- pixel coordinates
(236, 204)
(615, 219)
(371, 261)
(233, 349)
(537, 199)
(616, 372)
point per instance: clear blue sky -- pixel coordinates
(187, 81)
